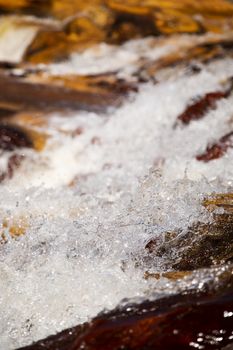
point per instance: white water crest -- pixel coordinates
(90, 203)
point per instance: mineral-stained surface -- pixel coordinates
(116, 146)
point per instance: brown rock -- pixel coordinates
(40, 92)
(203, 244)
(176, 322)
(218, 149)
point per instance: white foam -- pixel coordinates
(138, 181)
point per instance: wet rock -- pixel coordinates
(202, 105)
(218, 149)
(38, 92)
(61, 28)
(180, 321)
(198, 109)
(13, 137)
(202, 244)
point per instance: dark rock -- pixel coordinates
(13, 137)
(185, 321)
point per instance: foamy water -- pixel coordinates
(90, 203)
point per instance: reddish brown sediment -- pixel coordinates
(218, 149)
(176, 322)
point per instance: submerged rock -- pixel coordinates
(203, 244)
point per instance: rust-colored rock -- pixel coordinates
(218, 149)
(199, 108)
(202, 105)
